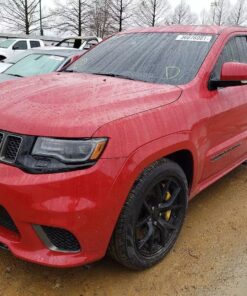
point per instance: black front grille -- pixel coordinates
(6, 221)
(10, 147)
(62, 239)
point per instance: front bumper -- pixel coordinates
(80, 202)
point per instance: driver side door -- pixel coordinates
(227, 125)
(19, 46)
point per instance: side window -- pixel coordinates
(242, 46)
(234, 51)
(20, 45)
(34, 44)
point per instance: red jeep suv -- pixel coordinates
(105, 156)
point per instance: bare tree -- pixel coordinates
(100, 18)
(220, 12)
(183, 15)
(152, 12)
(120, 12)
(71, 16)
(205, 17)
(21, 15)
(238, 14)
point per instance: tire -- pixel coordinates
(152, 216)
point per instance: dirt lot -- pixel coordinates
(210, 258)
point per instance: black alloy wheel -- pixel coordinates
(152, 217)
(160, 217)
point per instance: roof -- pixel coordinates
(81, 38)
(187, 29)
(58, 52)
(22, 36)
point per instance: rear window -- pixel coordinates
(34, 44)
(169, 58)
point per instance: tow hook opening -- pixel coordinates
(4, 247)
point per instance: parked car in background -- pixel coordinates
(82, 43)
(3, 67)
(8, 62)
(38, 62)
(11, 47)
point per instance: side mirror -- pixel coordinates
(232, 74)
(16, 47)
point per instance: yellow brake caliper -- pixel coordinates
(168, 214)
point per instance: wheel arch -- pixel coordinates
(185, 160)
(176, 147)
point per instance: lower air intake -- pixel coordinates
(61, 239)
(6, 221)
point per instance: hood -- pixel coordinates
(75, 105)
(3, 50)
(6, 77)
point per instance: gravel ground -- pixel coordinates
(210, 257)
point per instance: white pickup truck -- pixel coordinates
(11, 47)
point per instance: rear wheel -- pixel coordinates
(152, 217)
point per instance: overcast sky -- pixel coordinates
(196, 5)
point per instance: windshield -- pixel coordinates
(167, 58)
(35, 64)
(7, 43)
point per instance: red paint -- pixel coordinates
(143, 121)
(234, 71)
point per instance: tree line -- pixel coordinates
(105, 17)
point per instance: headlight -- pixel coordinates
(69, 151)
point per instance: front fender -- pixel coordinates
(142, 158)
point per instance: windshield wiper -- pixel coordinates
(15, 75)
(70, 71)
(113, 75)
(102, 74)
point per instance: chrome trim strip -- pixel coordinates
(224, 153)
(44, 238)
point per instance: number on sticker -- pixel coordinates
(195, 38)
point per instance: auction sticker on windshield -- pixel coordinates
(195, 38)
